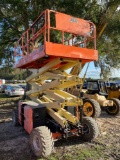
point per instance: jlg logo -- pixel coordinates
(74, 20)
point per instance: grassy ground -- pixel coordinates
(3, 97)
(6, 98)
(14, 141)
(80, 153)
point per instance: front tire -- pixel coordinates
(115, 109)
(91, 108)
(41, 141)
(90, 128)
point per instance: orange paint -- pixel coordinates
(58, 135)
(60, 50)
(71, 24)
(36, 58)
(28, 121)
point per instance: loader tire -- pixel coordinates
(15, 117)
(90, 128)
(41, 141)
(115, 109)
(91, 108)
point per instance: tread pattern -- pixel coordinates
(93, 128)
(96, 107)
(45, 139)
(117, 103)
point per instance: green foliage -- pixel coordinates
(16, 15)
(3, 97)
(6, 98)
(10, 73)
(108, 44)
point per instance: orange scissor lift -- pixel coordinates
(53, 44)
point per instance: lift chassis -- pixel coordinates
(49, 48)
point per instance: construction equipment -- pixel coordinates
(114, 91)
(97, 89)
(91, 107)
(48, 49)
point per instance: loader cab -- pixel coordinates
(97, 86)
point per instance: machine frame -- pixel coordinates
(53, 44)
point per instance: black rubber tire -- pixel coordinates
(95, 106)
(43, 137)
(15, 117)
(116, 110)
(90, 128)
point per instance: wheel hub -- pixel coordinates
(88, 109)
(112, 109)
(86, 129)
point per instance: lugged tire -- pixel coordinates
(90, 128)
(41, 141)
(116, 110)
(15, 117)
(95, 108)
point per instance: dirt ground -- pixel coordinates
(14, 141)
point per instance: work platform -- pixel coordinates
(53, 44)
(56, 35)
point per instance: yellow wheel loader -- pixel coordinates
(96, 89)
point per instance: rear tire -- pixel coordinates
(91, 108)
(15, 117)
(115, 109)
(41, 141)
(90, 129)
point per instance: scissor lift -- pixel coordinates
(55, 42)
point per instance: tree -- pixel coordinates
(109, 42)
(16, 16)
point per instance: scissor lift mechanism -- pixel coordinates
(49, 48)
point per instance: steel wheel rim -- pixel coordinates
(88, 109)
(112, 109)
(86, 129)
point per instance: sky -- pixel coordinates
(116, 73)
(94, 73)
